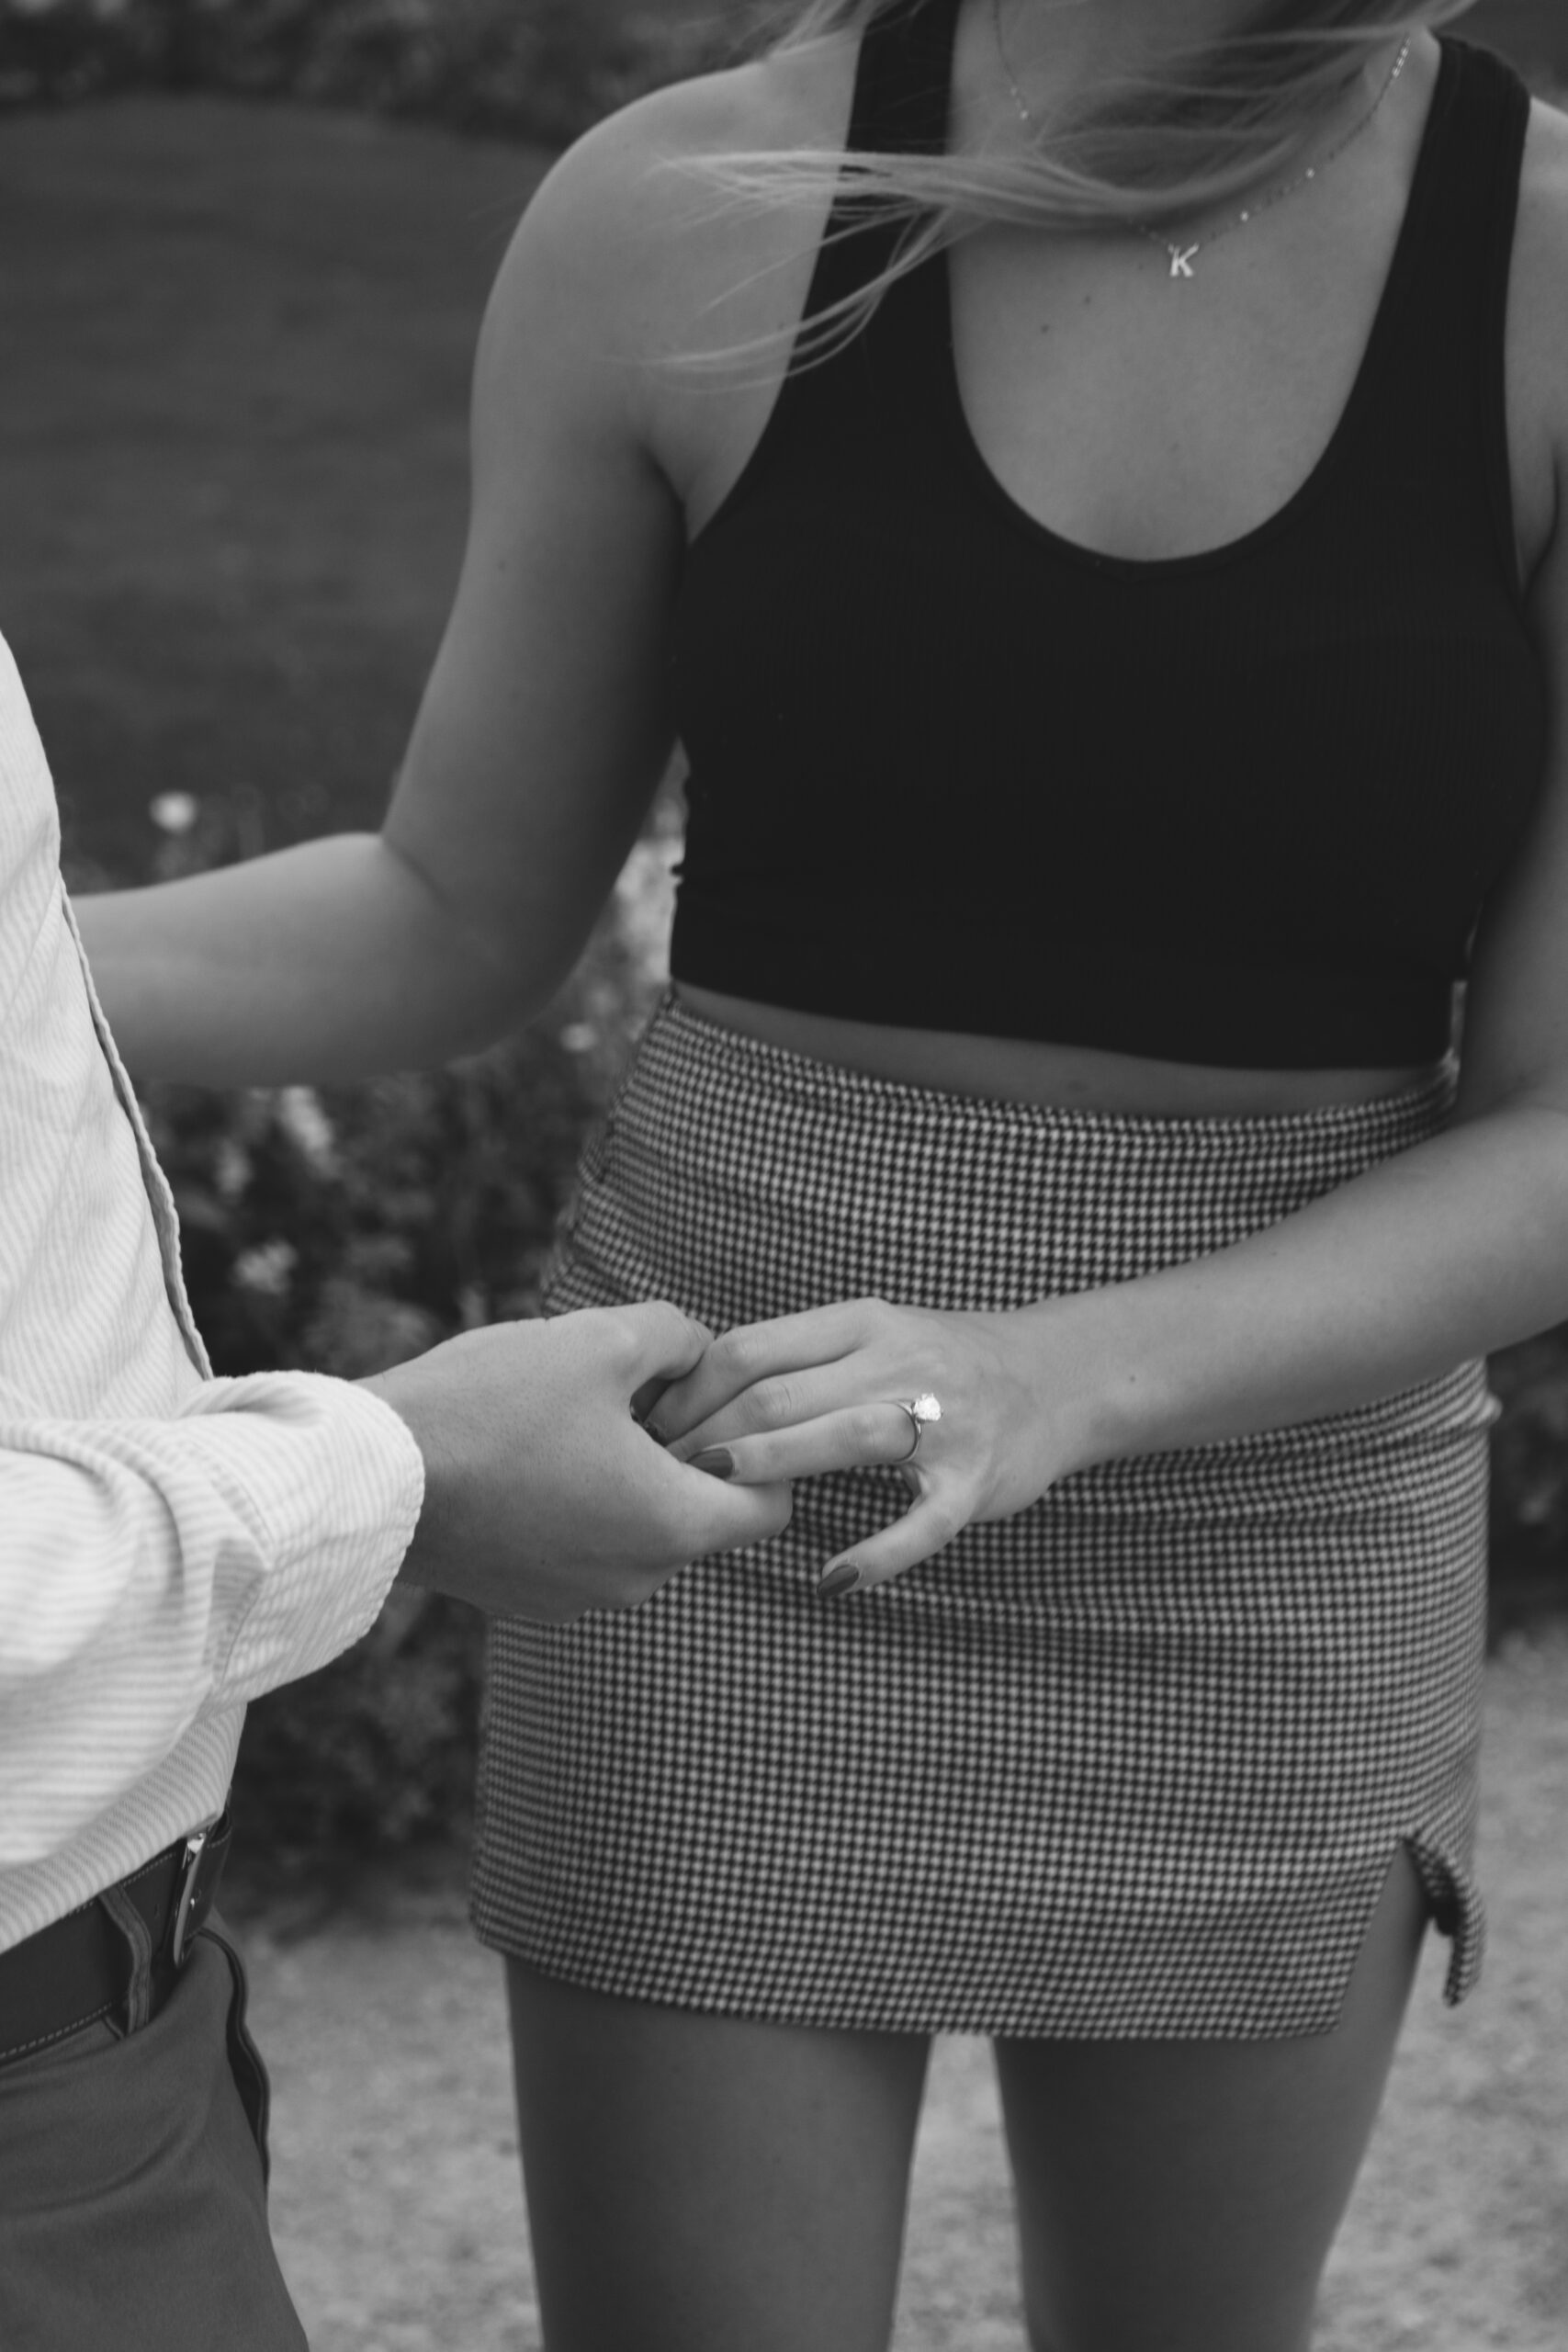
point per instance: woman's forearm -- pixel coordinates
(332, 961)
(1448, 1250)
(1436, 1256)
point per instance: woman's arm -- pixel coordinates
(541, 737)
(1450, 1250)
(546, 724)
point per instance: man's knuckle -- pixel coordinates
(617, 1328)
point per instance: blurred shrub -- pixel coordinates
(534, 69)
(539, 70)
(343, 1229)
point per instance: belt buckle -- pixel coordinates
(190, 1868)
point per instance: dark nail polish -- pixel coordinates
(839, 1581)
(716, 1460)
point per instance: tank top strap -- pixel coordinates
(901, 99)
(1466, 198)
(1434, 382)
(904, 85)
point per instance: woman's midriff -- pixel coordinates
(1075, 1077)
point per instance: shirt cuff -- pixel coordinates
(339, 1506)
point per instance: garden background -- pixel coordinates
(243, 246)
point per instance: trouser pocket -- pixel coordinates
(245, 2062)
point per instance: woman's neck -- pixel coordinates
(1048, 51)
(1175, 24)
(1064, 40)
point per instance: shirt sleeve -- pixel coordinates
(152, 1571)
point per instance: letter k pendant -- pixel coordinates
(1182, 258)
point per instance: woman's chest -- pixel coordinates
(1142, 413)
(1149, 417)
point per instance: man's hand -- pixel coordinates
(543, 1496)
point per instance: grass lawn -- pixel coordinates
(232, 432)
(395, 2191)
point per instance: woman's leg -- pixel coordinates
(700, 2184)
(1182, 2196)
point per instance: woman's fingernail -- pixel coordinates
(839, 1581)
(716, 1460)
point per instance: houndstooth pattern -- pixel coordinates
(1134, 1763)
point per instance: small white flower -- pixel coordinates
(309, 1129)
(645, 895)
(267, 1268)
(231, 1169)
(175, 812)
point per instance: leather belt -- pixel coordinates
(79, 1969)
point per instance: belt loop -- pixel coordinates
(139, 1936)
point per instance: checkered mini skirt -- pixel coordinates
(1134, 1763)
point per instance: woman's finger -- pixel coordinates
(932, 1520)
(782, 1401)
(854, 1439)
(754, 1354)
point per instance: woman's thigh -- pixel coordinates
(1182, 2196)
(699, 2184)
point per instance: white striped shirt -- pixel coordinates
(170, 1545)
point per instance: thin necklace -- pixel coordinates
(1183, 255)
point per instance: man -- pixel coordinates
(171, 1545)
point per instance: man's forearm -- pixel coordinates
(154, 1572)
(329, 962)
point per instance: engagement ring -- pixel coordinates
(920, 1409)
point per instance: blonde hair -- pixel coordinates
(1154, 145)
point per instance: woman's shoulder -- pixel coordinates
(786, 98)
(1543, 187)
(633, 259)
(1538, 333)
(636, 222)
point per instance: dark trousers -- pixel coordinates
(133, 2182)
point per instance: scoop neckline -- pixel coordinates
(938, 302)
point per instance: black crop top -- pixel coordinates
(951, 770)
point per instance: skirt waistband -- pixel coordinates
(1411, 1112)
(756, 1181)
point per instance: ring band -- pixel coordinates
(920, 1409)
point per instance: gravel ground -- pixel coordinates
(395, 2193)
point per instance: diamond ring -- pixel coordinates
(920, 1409)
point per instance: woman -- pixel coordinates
(1121, 664)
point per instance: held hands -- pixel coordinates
(831, 1390)
(544, 1495)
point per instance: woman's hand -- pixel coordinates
(831, 1390)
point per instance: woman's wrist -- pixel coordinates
(1099, 1396)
